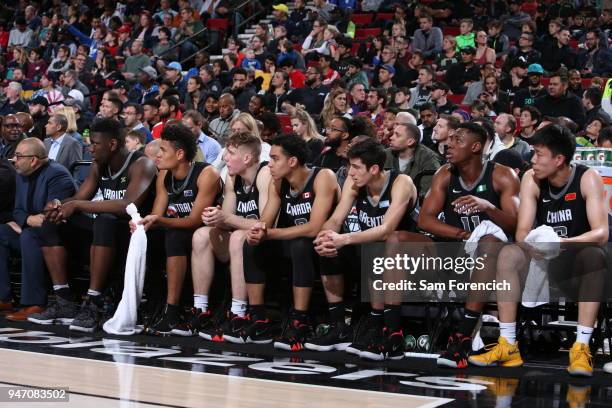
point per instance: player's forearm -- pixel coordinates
(595, 236)
(299, 231)
(233, 221)
(436, 227)
(189, 223)
(116, 207)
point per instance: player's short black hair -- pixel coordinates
(476, 130)
(370, 152)
(558, 139)
(109, 128)
(181, 138)
(293, 147)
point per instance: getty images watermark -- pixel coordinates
(450, 272)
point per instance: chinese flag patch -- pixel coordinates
(306, 195)
(570, 196)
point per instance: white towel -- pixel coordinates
(124, 320)
(484, 228)
(537, 292)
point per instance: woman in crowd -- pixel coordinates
(211, 107)
(484, 53)
(495, 97)
(195, 97)
(335, 105)
(448, 56)
(304, 126)
(278, 91)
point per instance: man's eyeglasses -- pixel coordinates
(330, 129)
(21, 156)
(10, 125)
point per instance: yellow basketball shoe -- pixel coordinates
(501, 354)
(581, 361)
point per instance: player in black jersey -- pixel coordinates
(302, 199)
(123, 177)
(466, 192)
(223, 237)
(570, 198)
(384, 201)
(183, 189)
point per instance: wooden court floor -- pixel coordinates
(110, 384)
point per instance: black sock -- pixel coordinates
(98, 300)
(392, 316)
(336, 312)
(377, 316)
(66, 294)
(257, 312)
(299, 315)
(469, 322)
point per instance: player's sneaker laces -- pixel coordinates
(338, 336)
(386, 346)
(249, 331)
(367, 329)
(503, 354)
(294, 336)
(581, 361)
(457, 352)
(233, 327)
(88, 318)
(59, 311)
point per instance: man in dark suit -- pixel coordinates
(39, 181)
(61, 147)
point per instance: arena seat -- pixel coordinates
(454, 31)
(455, 98)
(364, 33)
(285, 121)
(384, 16)
(219, 24)
(362, 19)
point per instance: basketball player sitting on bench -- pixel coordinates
(302, 198)
(384, 200)
(570, 198)
(467, 192)
(183, 189)
(223, 237)
(123, 177)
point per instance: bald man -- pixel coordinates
(38, 181)
(220, 127)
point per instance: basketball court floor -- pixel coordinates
(141, 371)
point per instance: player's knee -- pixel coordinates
(511, 255)
(201, 238)
(236, 241)
(301, 247)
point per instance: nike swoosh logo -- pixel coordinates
(456, 191)
(259, 333)
(545, 200)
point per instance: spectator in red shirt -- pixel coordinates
(296, 78)
(329, 74)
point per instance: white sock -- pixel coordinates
(508, 331)
(583, 334)
(58, 287)
(200, 302)
(239, 307)
(91, 292)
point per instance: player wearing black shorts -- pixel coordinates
(224, 234)
(570, 198)
(302, 199)
(183, 189)
(384, 201)
(123, 177)
(467, 191)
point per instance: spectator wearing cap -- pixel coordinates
(459, 76)
(122, 88)
(559, 102)
(133, 114)
(174, 73)
(516, 79)
(60, 147)
(402, 75)
(135, 62)
(439, 92)
(596, 59)
(421, 93)
(427, 39)
(385, 76)
(38, 109)
(13, 102)
(527, 96)
(21, 35)
(558, 53)
(524, 52)
(355, 74)
(146, 85)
